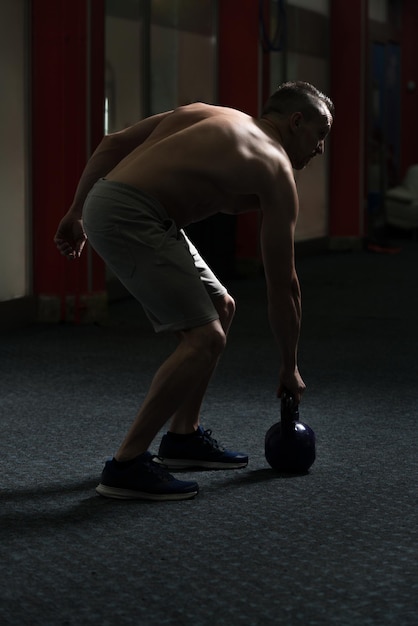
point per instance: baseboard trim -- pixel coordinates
(85, 308)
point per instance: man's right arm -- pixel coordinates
(70, 237)
(280, 210)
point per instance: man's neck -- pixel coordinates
(272, 128)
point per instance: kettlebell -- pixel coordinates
(290, 444)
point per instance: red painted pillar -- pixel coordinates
(67, 113)
(347, 139)
(239, 80)
(409, 85)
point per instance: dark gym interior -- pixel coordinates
(334, 546)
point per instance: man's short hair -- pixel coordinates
(297, 96)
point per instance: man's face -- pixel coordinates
(309, 137)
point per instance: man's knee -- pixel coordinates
(225, 306)
(207, 341)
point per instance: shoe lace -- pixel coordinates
(211, 441)
(159, 469)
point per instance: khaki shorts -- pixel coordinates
(155, 260)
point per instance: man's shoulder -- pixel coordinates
(212, 113)
(210, 109)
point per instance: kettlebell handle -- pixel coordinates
(289, 408)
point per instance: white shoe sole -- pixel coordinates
(130, 494)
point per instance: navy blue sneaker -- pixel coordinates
(143, 479)
(199, 450)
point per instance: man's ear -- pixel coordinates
(296, 120)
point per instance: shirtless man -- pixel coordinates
(139, 189)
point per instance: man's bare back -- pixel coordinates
(202, 159)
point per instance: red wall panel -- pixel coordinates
(348, 45)
(60, 118)
(238, 87)
(409, 98)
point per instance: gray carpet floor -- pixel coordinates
(335, 547)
